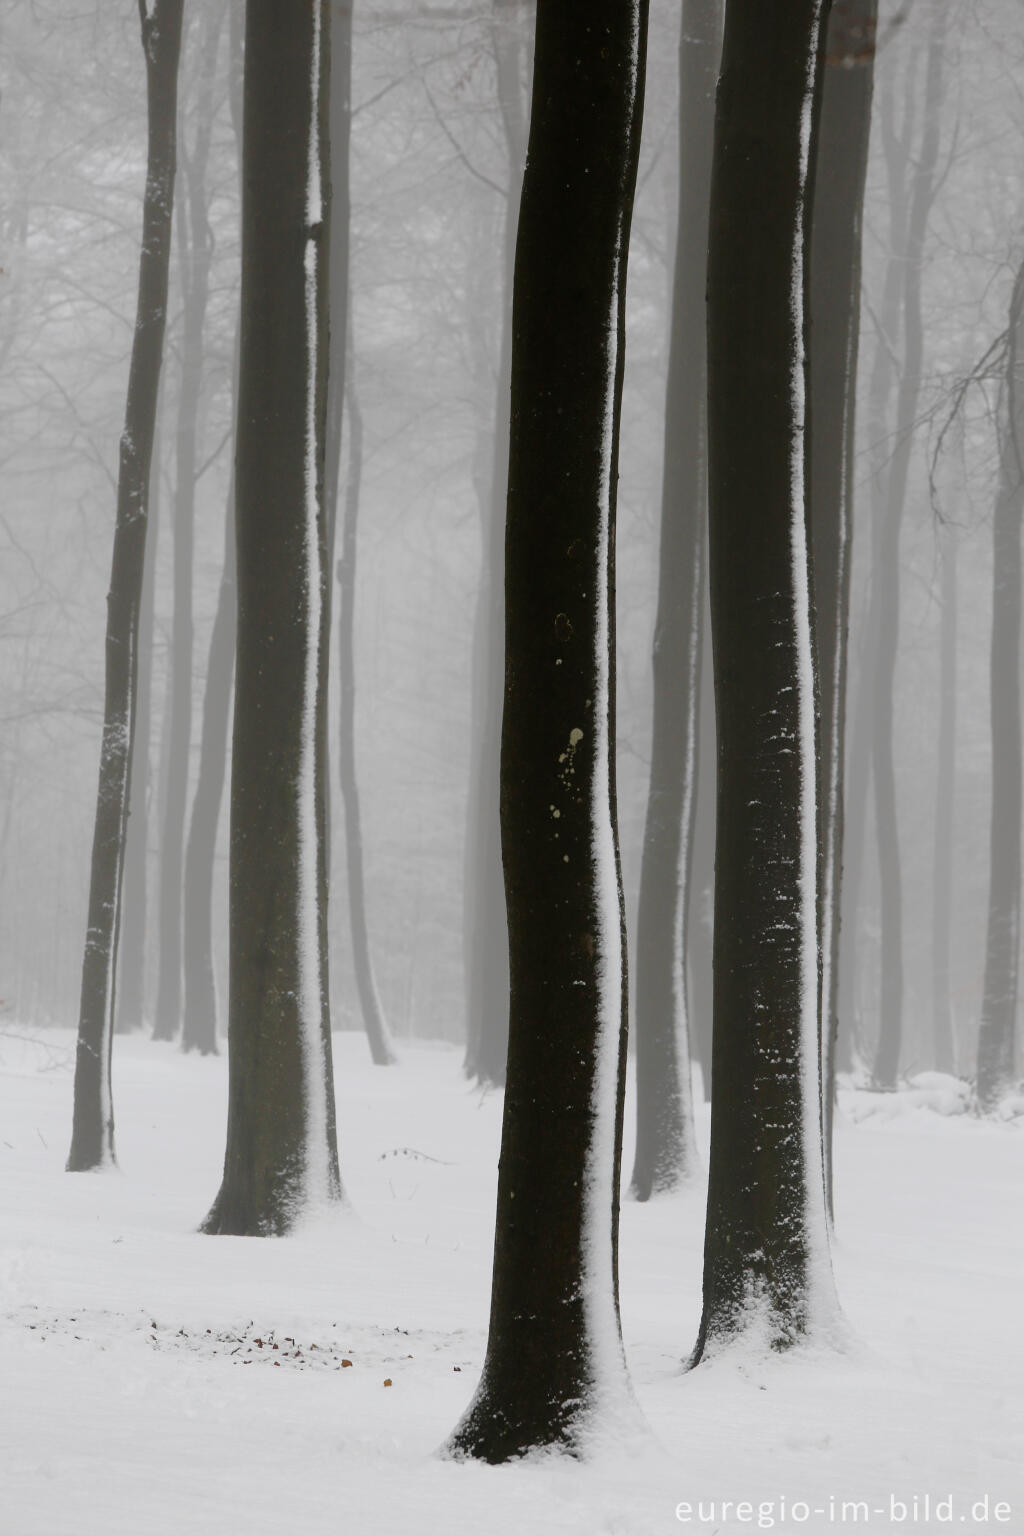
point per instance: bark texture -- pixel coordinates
(92, 1137)
(766, 1264)
(554, 1354)
(281, 1157)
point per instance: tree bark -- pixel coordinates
(281, 1158)
(92, 1136)
(554, 1357)
(836, 220)
(666, 1152)
(767, 1270)
(945, 806)
(1002, 946)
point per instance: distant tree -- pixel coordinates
(1002, 948)
(339, 389)
(836, 224)
(195, 259)
(766, 1259)
(92, 1137)
(281, 1157)
(665, 1149)
(554, 1356)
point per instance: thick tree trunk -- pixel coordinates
(485, 926)
(281, 1158)
(92, 1137)
(766, 1257)
(835, 323)
(886, 572)
(945, 808)
(195, 248)
(1002, 948)
(666, 1153)
(554, 1356)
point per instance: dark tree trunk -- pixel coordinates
(1002, 948)
(766, 1258)
(554, 1356)
(92, 1137)
(199, 1030)
(945, 805)
(699, 938)
(835, 323)
(485, 927)
(886, 572)
(195, 250)
(131, 991)
(339, 388)
(281, 1158)
(666, 1153)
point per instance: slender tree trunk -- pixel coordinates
(1002, 947)
(700, 927)
(835, 323)
(195, 247)
(199, 1031)
(554, 1357)
(92, 1137)
(945, 804)
(485, 928)
(766, 1255)
(366, 985)
(666, 1152)
(131, 994)
(340, 389)
(281, 1158)
(887, 573)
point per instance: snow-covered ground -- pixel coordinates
(159, 1383)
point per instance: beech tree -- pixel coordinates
(281, 1157)
(665, 1149)
(766, 1257)
(92, 1136)
(554, 1353)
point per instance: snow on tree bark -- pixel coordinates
(281, 1156)
(92, 1136)
(554, 1357)
(767, 1271)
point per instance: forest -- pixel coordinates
(511, 766)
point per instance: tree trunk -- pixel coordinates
(554, 1357)
(281, 1158)
(666, 1152)
(485, 926)
(766, 1258)
(195, 248)
(92, 1137)
(835, 322)
(945, 806)
(339, 388)
(1002, 947)
(131, 993)
(199, 1031)
(886, 572)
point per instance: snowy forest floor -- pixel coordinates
(138, 1358)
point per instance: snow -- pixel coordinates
(112, 1426)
